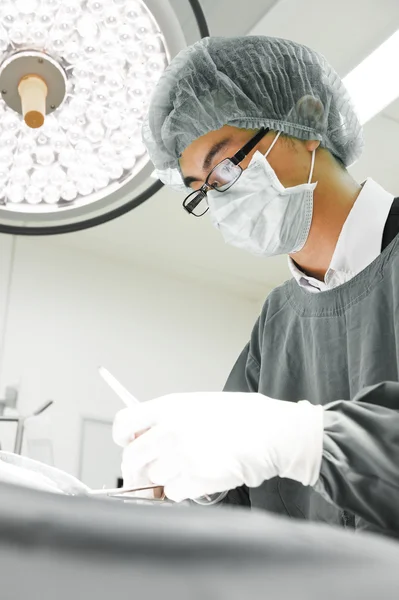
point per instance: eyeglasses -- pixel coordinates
(221, 178)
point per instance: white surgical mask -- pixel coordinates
(259, 214)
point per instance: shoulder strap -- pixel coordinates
(391, 229)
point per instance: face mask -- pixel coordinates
(259, 214)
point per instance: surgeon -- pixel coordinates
(260, 131)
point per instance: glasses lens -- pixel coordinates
(224, 175)
(196, 204)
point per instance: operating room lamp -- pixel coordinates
(75, 82)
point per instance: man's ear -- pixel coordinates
(311, 145)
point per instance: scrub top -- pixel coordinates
(326, 347)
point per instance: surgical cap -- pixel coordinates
(248, 82)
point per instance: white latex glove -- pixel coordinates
(205, 443)
(139, 479)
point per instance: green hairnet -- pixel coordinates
(248, 82)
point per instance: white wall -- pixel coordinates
(6, 257)
(71, 311)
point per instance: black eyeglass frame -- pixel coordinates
(198, 195)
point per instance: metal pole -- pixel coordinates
(19, 436)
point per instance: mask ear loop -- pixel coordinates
(312, 166)
(274, 141)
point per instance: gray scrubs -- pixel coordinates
(324, 347)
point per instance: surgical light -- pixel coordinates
(75, 81)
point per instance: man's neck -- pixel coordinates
(334, 198)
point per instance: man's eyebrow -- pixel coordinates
(216, 148)
(213, 151)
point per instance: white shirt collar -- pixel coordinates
(359, 242)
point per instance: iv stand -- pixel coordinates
(20, 421)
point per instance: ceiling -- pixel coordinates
(159, 235)
(224, 17)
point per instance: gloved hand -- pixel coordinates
(140, 480)
(204, 443)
